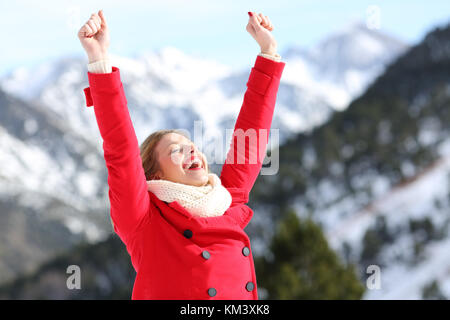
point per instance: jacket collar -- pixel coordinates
(175, 205)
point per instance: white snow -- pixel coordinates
(412, 200)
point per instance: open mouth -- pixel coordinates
(196, 164)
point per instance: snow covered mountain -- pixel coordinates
(376, 177)
(162, 85)
(51, 187)
(414, 258)
(341, 66)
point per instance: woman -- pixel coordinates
(182, 225)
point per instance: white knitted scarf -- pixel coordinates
(210, 200)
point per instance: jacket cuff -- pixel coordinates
(105, 81)
(102, 82)
(100, 66)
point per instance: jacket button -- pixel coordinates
(246, 251)
(205, 254)
(212, 292)
(249, 286)
(187, 233)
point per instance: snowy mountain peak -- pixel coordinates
(347, 44)
(170, 54)
(344, 63)
(184, 72)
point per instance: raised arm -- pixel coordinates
(128, 195)
(252, 128)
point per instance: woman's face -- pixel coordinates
(180, 161)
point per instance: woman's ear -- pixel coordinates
(158, 175)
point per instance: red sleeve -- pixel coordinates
(252, 128)
(128, 194)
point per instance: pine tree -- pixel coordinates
(301, 265)
(432, 291)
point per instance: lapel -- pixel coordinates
(238, 212)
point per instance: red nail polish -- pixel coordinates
(250, 14)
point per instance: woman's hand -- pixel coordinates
(94, 37)
(259, 26)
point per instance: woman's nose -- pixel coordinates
(189, 149)
(194, 152)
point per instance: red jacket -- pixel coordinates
(177, 255)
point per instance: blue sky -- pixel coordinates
(36, 31)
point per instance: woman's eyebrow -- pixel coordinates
(168, 147)
(177, 143)
(172, 144)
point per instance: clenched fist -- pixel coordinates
(260, 27)
(94, 37)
